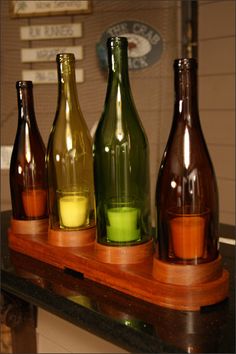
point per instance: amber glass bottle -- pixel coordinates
(121, 159)
(186, 192)
(69, 157)
(27, 168)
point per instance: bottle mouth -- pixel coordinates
(24, 84)
(63, 57)
(185, 63)
(117, 41)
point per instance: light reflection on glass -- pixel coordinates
(27, 144)
(119, 128)
(186, 148)
(57, 157)
(180, 106)
(19, 170)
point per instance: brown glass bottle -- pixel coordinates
(27, 168)
(186, 191)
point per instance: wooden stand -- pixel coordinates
(133, 279)
(124, 254)
(31, 227)
(187, 275)
(203, 284)
(78, 238)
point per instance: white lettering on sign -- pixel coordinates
(48, 76)
(118, 29)
(31, 55)
(29, 7)
(51, 31)
(142, 30)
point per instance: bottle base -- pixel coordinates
(29, 226)
(124, 254)
(185, 274)
(73, 238)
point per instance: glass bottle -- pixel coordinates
(121, 160)
(186, 191)
(27, 167)
(69, 157)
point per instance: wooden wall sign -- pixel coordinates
(48, 76)
(34, 8)
(65, 30)
(45, 54)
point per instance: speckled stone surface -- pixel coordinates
(128, 322)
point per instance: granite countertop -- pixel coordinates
(133, 324)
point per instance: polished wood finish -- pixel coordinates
(29, 226)
(133, 279)
(77, 238)
(124, 254)
(178, 274)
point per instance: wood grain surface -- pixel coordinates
(133, 279)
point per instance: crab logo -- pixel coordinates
(145, 44)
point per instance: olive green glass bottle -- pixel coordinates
(28, 182)
(69, 157)
(186, 193)
(121, 160)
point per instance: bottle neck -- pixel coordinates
(25, 101)
(118, 65)
(186, 95)
(67, 90)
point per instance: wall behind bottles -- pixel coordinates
(217, 95)
(152, 87)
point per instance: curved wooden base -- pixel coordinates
(78, 238)
(132, 279)
(31, 227)
(191, 287)
(124, 254)
(178, 274)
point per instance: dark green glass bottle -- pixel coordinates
(121, 160)
(186, 193)
(69, 157)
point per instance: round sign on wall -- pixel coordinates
(145, 44)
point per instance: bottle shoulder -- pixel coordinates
(29, 139)
(27, 159)
(185, 134)
(66, 137)
(28, 151)
(70, 118)
(113, 128)
(186, 150)
(186, 164)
